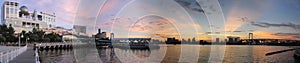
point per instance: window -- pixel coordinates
(27, 24)
(40, 17)
(37, 25)
(11, 10)
(16, 11)
(23, 24)
(7, 10)
(33, 25)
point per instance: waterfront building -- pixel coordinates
(101, 35)
(232, 39)
(193, 40)
(80, 30)
(21, 18)
(60, 31)
(132, 40)
(172, 41)
(217, 40)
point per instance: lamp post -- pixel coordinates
(20, 36)
(27, 41)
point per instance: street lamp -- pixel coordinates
(27, 41)
(20, 36)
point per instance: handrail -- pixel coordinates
(37, 57)
(11, 54)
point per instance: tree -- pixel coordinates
(8, 33)
(54, 37)
(36, 35)
(47, 40)
(2, 39)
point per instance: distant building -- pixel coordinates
(80, 29)
(193, 40)
(98, 35)
(60, 31)
(217, 40)
(134, 40)
(172, 41)
(189, 40)
(21, 18)
(101, 35)
(183, 41)
(232, 39)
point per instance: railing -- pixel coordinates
(7, 56)
(60, 43)
(37, 57)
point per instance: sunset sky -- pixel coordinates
(277, 19)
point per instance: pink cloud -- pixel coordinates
(238, 15)
(108, 5)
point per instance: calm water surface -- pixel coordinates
(171, 54)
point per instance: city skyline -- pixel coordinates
(275, 19)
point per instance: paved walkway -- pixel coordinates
(25, 57)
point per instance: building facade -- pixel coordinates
(232, 39)
(101, 35)
(21, 18)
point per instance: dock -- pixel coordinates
(55, 46)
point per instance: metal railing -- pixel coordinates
(7, 56)
(37, 57)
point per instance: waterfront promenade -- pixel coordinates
(26, 57)
(8, 53)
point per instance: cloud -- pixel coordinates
(190, 4)
(241, 12)
(202, 37)
(108, 5)
(267, 25)
(270, 35)
(294, 35)
(238, 31)
(286, 34)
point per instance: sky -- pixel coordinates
(274, 19)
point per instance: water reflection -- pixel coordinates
(57, 56)
(233, 53)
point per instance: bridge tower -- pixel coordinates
(250, 38)
(112, 35)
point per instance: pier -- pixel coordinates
(10, 54)
(55, 46)
(27, 56)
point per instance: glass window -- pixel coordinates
(7, 10)
(11, 10)
(37, 25)
(23, 24)
(16, 10)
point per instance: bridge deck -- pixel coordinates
(26, 57)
